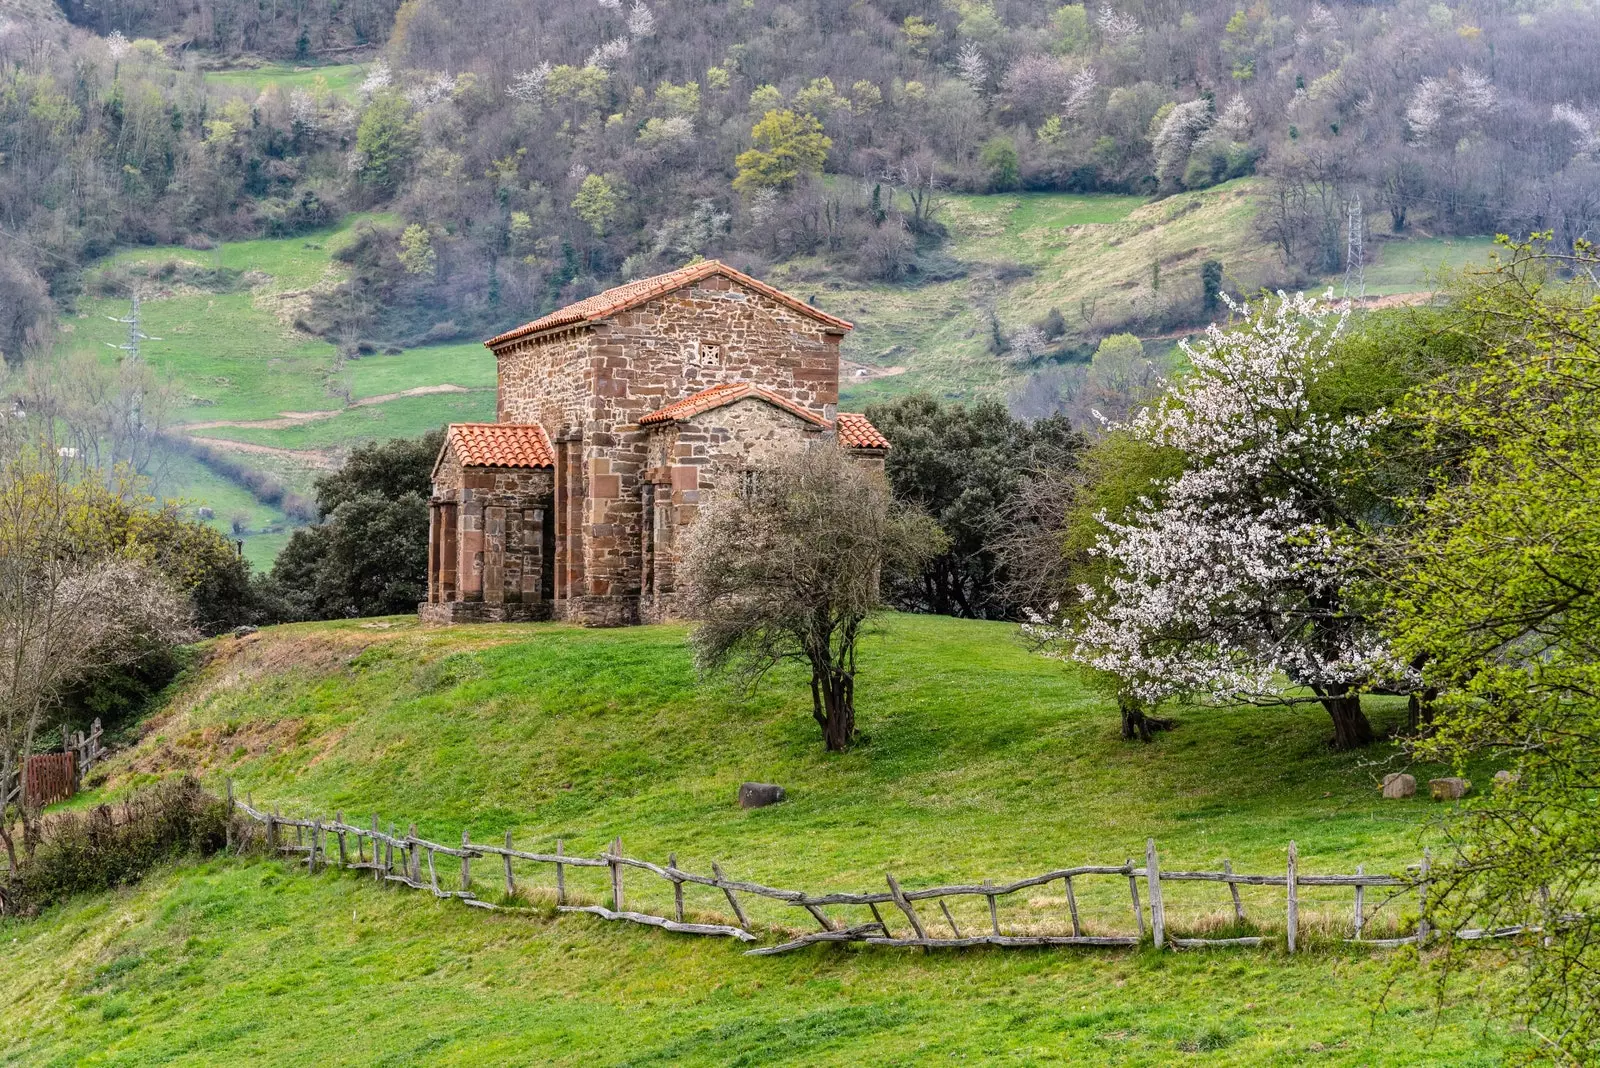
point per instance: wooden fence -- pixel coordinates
(52, 777)
(409, 860)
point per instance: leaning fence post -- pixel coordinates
(1072, 907)
(677, 888)
(227, 828)
(511, 884)
(413, 857)
(1158, 912)
(561, 877)
(1233, 887)
(1422, 903)
(1294, 898)
(1361, 869)
(1133, 890)
(994, 916)
(905, 906)
(466, 864)
(344, 858)
(311, 856)
(733, 902)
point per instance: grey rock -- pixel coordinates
(244, 631)
(759, 794)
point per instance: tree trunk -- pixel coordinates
(1351, 730)
(836, 690)
(1135, 725)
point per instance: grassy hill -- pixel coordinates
(284, 402)
(980, 760)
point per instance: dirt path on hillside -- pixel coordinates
(285, 420)
(322, 459)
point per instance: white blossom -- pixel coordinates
(611, 5)
(1184, 126)
(1115, 27)
(1235, 121)
(1584, 136)
(608, 55)
(1080, 92)
(116, 44)
(303, 110)
(641, 20)
(377, 80)
(526, 87)
(1437, 103)
(972, 67)
(430, 90)
(1232, 573)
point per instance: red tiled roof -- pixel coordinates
(632, 294)
(501, 445)
(856, 433)
(727, 393)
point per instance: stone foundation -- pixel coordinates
(482, 612)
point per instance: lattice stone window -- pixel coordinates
(701, 354)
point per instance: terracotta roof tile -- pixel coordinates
(501, 445)
(632, 294)
(856, 433)
(727, 393)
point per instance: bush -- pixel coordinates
(117, 844)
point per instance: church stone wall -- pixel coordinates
(594, 384)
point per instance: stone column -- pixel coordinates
(433, 552)
(494, 554)
(449, 553)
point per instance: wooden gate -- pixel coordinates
(50, 777)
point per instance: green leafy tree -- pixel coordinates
(999, 159)
(964, 464)
(387, 141)
(1496, 593)
(597, 203)
(369, 553)
(787, 146)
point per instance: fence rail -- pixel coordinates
(400, 858)
(45, 778)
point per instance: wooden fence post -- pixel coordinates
(616, 874)
(413, 855)
(1233, 888)
(433, 875)
(733, 902)
(1422, 903)
(1072, 907)
(561, 877)
(1294, 898)
(311, 856)
(1133, 890)
(677, 888)
(511, 884)
(466, 864)
(994, 916)
(1152, 873)
(1360, 902)
(344, 858)
(905, 906)
(951, 920)
(227, 829)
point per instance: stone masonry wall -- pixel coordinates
(598, 382)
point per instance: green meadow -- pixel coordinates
(979, 760)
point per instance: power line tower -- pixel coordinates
(1355, 264)
(130, 353)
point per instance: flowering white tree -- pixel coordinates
(971, 67)
(1241, 568)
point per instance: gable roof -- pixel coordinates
(498, 445)
(632, 294)
(717, 396)
(855, 432)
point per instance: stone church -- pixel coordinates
(616, 417)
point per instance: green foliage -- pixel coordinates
(416, 250)
(1497, 595)
(116, 845)
(999, 159)
(1070, 27)
(387, 141)
(369, 554)
(787, 146)
(963, 464)
(597, 202)
(1211, 286)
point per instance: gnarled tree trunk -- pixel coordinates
(1351, 729)
(833, 705)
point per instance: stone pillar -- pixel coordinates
(494, 554)
(532, 547)
(471, 566)
(433, 552)
(449, 552)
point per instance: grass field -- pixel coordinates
(341, 79)
(243, 373)
(980, 760)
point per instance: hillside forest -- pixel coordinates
(513, 156)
